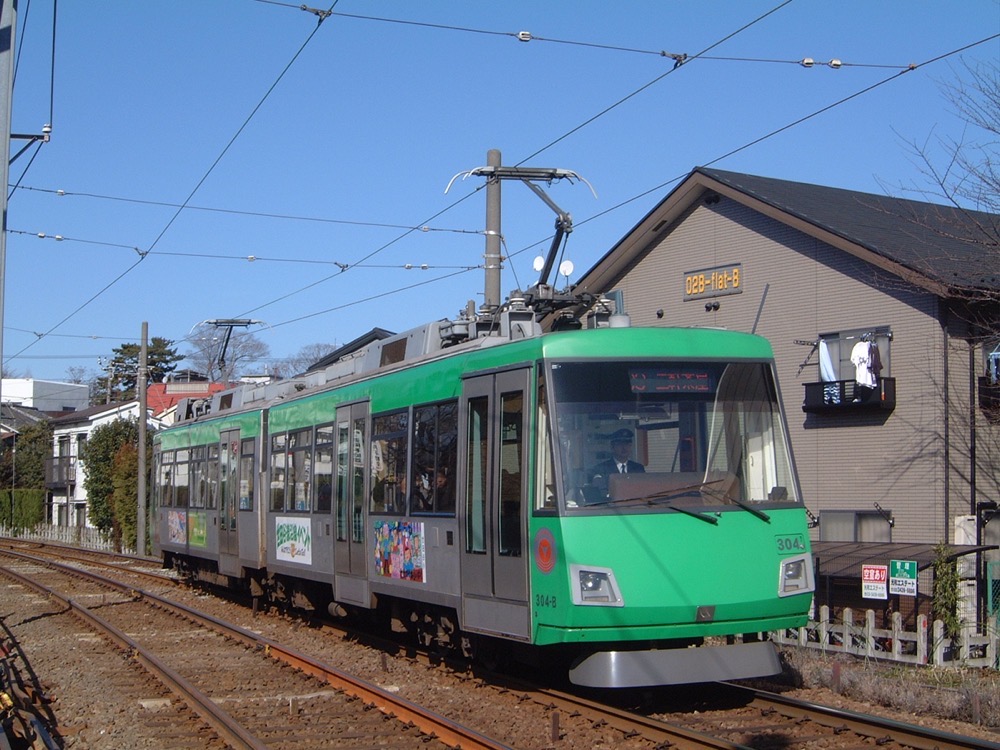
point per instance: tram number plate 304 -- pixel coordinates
(791, 543)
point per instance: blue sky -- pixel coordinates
(158, 105)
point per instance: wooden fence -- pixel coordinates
(922, 646)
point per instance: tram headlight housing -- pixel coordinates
(796, 576)
(594, 586)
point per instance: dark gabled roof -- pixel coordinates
(375, 334)
(950, 252)
(955, 247)
(86, 415)
(14, 417)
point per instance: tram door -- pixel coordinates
(493, 526)
(229, 462)
(350, 560)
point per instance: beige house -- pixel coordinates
(884, 315)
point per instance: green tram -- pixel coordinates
(457, 484)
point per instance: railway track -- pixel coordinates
(760, 720)
(728, 717)
(238, 683)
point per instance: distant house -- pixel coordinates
(162, 398)
(65, 473)
(45, 395)
(14, 418)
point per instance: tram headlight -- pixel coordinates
(594, 586)
(796, 576)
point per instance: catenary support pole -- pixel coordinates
(140, 531)
(8, 25)
(491, 300)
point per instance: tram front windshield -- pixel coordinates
(678, 435)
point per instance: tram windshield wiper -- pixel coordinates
(726, 497)
(691, 490)
(695, 514)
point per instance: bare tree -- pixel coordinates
(963, 172)
(79, 374)
(242, 352)
(307, 356)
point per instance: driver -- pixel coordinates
(619, 463)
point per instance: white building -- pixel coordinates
(45, 395)
(65, 474)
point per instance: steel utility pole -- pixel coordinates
(8, 25)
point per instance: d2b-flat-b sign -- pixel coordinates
(903, 577)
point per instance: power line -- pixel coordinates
(255, 214)
(143, 255)
(242, 258)
(656, 80)
(771, 134)
(527, 36)
(361, 262)
(239, 131)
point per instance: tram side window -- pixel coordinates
(165, 486)
(323, 468)
(182, 489)
(388, 464)
(343, 480)
(299, 470)
(246, 475)
(211, 477)
(511, 471)
(435, 456)
(278, 470)
(477, 462)
(545, 498)
(198, 477)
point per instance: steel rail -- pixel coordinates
(670, 735)
(911, 735)
(430, 723)
(228, 728)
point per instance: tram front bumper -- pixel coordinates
(624, 669)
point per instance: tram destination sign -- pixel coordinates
(670, 380)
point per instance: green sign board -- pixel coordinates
(903, 577)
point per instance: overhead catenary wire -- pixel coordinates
(749, 144)
(256, 214)
(527, 36)
(448, 208)
(772, 133)
(241, 258)
(144, 254)
(661, 185)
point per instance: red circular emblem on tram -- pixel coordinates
(545, 550)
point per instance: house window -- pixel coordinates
(861, 355)
(854, 371)
(855, 526)
(989, 386)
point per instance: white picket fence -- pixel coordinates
(79, 536)
(970, 649)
